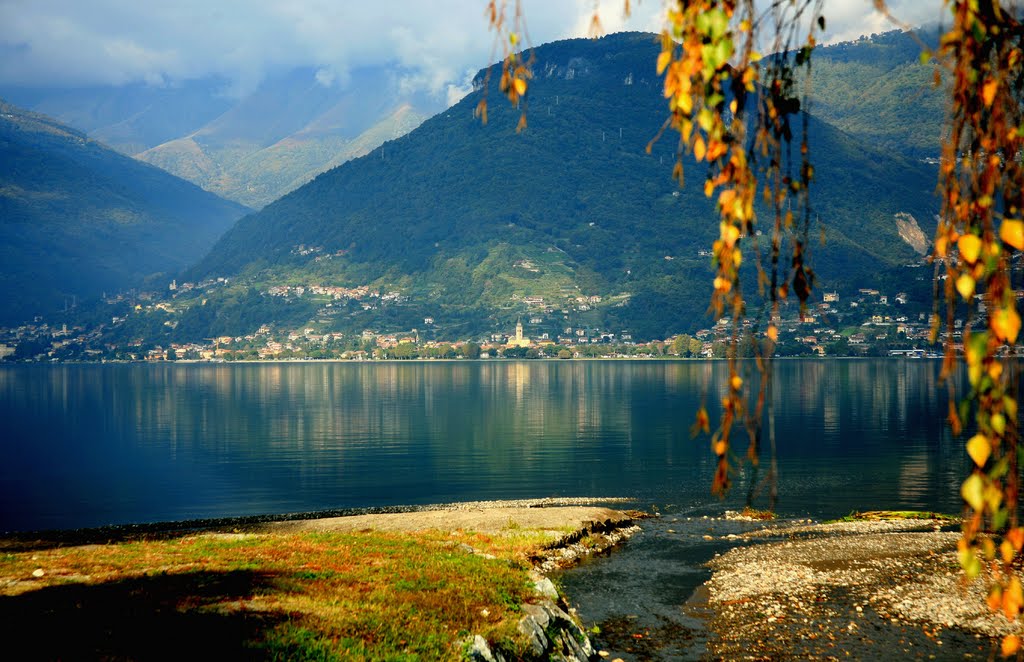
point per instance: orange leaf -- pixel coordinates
(520, 86)
(699, 148)
(1006, 551)
(773, 333)
(1013, 599)
(1011, 644)
(1005, 322)
(995, 598)
(1016, 537)
(988, 91)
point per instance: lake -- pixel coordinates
(91, 445)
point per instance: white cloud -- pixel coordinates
(77, 42)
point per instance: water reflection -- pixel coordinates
(90, 445)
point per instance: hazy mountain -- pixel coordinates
(250, 147)
(130, 118)
(77, 218)
(468, 220)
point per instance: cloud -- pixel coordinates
(437, 44)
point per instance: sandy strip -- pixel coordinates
(488, 519)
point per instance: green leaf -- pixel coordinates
(999, 519)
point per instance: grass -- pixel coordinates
(895, 515)
(351, 596)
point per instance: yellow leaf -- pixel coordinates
(1012, 232)
(520, 86)
(1005, 323)
(730, 233)
(988, 91)
(1010, 646)
(998, 422)
(709, 187)
(970, 247)
(979, 449)
(736, 382)
(973, 492)
(685, 103)
(663, 59)
(965, 286)
(993, 498)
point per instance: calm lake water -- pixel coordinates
(90, 445)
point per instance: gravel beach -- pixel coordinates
(850, 590)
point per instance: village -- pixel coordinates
(867, 323)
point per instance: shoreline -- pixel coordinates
(487, 360)
(14, 540)
(863, 588)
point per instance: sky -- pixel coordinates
(438, 45)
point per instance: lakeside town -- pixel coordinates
(869, 322)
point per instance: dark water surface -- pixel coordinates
(91, 445)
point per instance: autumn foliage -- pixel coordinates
(740, 113)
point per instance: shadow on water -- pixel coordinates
(645, 601)
(162, 617)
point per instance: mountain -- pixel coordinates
(877, 89)
(129, 118)
(251, 147)
(77, 218)
(473, 225)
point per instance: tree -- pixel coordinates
(681, 345)
(741, 115)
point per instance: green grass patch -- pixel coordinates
(881, 515)
(351, 596)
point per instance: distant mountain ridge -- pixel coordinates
(252, 148)
(77, 218)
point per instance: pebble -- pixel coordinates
(38, 572)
